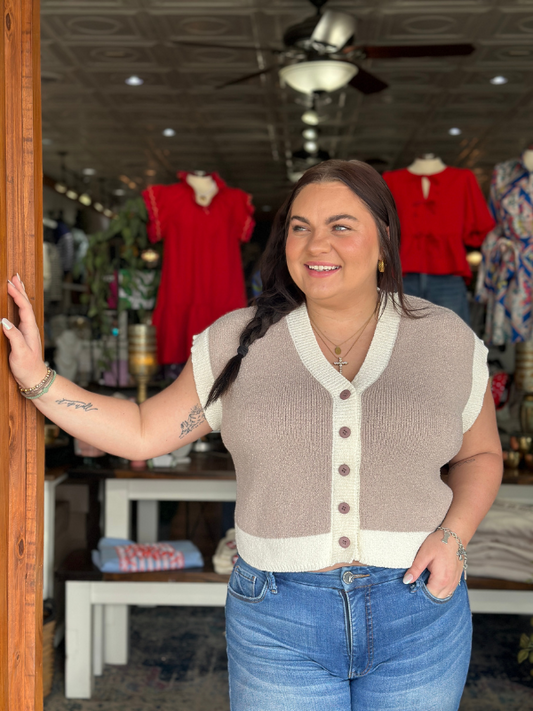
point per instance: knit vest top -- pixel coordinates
(329, 471)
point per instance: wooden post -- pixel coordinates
(21, 426)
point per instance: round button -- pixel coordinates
(344, 469)
(347, 577)
(344, 507)
(345, 394)
(345, 432)
(344, 542)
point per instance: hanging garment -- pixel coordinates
(436, 229)
(202, 277)
(504, 277)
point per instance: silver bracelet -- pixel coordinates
(461, 552)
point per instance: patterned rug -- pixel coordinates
(178, 663)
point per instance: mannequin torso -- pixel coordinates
(527, 158)
(426, 165)
(204, 186)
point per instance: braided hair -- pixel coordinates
(281, 295)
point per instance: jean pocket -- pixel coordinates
(433, 598)
(247, 585)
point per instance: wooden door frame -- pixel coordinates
(21, 426)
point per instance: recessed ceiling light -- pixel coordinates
(499, 80)
(85, 199)
(455, 131)
(108, 213)
(311, 117)
(60, 188)
(89, 171)
(311, 146)
(310, 134)
(134, 81)
(132, 185)
(72, 194)
(169, 132)
(119, 192)
(98, 207)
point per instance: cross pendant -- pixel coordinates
(340, 363)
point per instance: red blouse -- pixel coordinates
(202, 277)
(436, 229)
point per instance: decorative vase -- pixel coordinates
(142, 356)
(526, 414)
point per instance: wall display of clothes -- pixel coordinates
(504, 282)
(202, 222)
(442, 210)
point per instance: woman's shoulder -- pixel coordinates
(232, 323)
(436, 320)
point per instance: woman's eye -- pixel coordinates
(297, 228)
(340, 228)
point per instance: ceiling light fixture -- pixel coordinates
(310, 134)
(455, 131)
(98, 207)
(150, 172)
(60, 188)
(311, 118)
(311, 146)
(85, 200)
(132, 185)
(499, 80)
(134, 81)
(169, 132)
(89, 171)
(108, 212)
(119, 192)
(72, 194)
(324, 75)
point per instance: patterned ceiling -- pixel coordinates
(248, 132)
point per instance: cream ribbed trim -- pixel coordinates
(346, 413)
(204, 378)
(480, 377)
(387, 549)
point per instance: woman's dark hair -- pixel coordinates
(280, 294)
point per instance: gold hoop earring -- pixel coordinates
(381, 265)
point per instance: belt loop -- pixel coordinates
(272, 583)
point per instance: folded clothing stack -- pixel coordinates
(118, 555)
(502, 546)
(225, 554)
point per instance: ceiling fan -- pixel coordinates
(328, 39)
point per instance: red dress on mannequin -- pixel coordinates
(202, 277)
(436, 229)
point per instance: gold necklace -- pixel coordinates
(337, 348)
(340, 363)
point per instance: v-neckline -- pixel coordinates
(375, 362)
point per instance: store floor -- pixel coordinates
(178, 663)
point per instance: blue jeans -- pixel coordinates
(442, 289)
(333, 642)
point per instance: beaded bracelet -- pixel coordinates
(41, 388)
(461, 553)
(36, 387)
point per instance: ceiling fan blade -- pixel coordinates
(420, 50)
(226, 46)
(245, 77)
(367, 83)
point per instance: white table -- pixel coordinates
(119, 493)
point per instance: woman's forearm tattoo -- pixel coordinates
(195, 419)
(77, 404)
